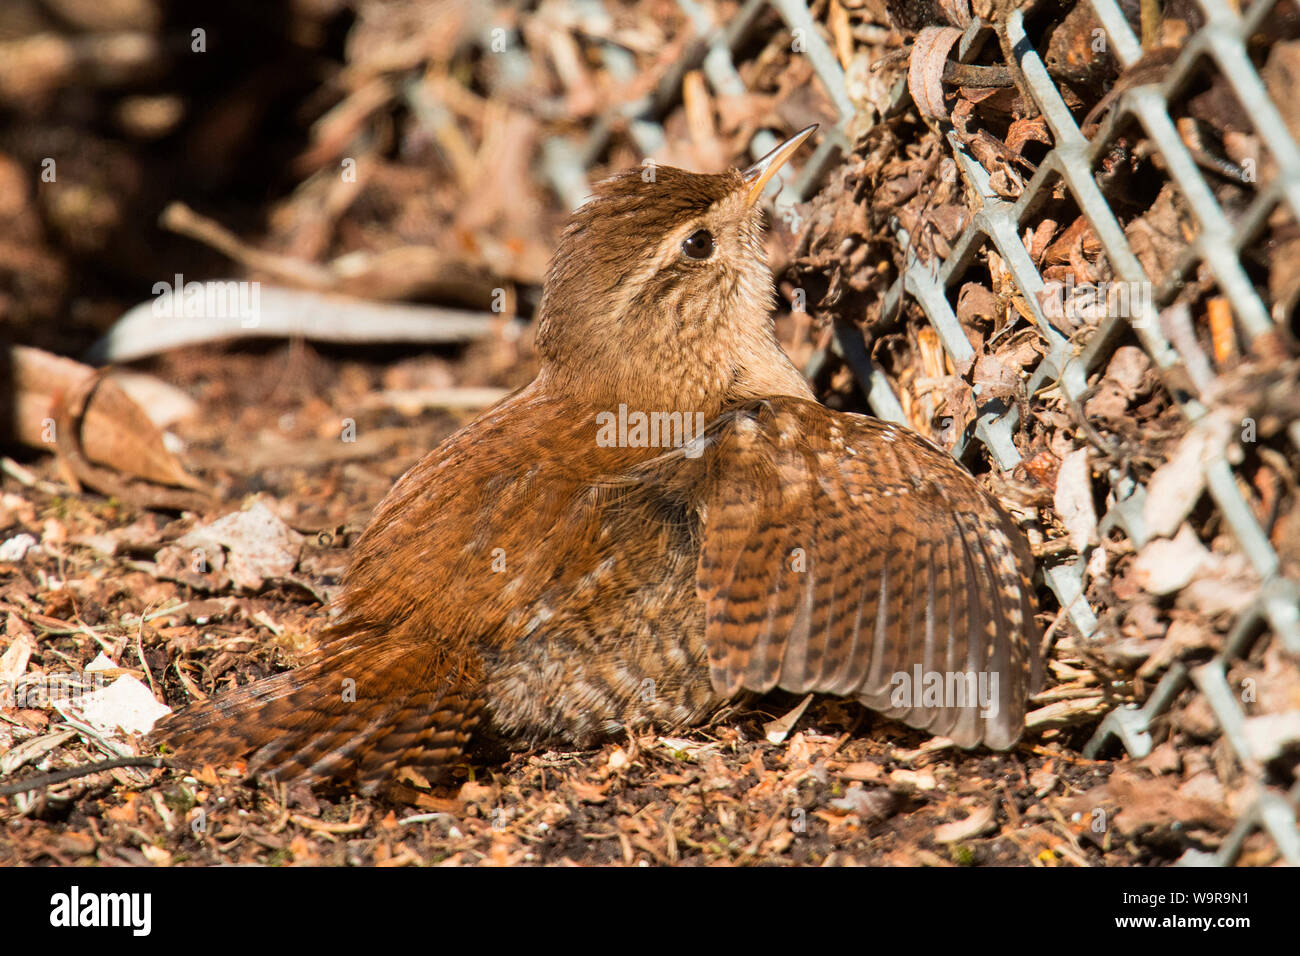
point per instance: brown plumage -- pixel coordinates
(545, 576)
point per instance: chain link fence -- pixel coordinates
(1159, 321)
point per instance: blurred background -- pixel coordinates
(387, 152)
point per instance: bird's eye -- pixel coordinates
(698, 245)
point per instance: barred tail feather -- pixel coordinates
(354, 716)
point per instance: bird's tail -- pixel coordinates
(356, 714)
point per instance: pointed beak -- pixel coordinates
(760, 174)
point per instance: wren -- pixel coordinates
(663, 520)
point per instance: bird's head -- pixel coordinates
(659, 294)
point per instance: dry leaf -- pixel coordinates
(114, 431)
(925, 71)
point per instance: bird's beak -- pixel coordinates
(760, 174)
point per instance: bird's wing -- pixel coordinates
(846, 555)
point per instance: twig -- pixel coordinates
(183, 220)
(59, 776)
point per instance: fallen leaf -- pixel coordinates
(777, 730)
(861, 771)
(126, 705)
(925, 70)
(1073, 500)
(875, 804)
(1164, 566)
(252, 545)
(980, 821)
(115, 431)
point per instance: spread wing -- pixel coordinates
(845, 555)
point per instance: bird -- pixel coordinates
(665, 520)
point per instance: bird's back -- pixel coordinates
(507, 580)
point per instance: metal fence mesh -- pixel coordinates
(997, 223)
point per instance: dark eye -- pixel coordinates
(698, 245)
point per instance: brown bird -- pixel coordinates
(662, 520)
